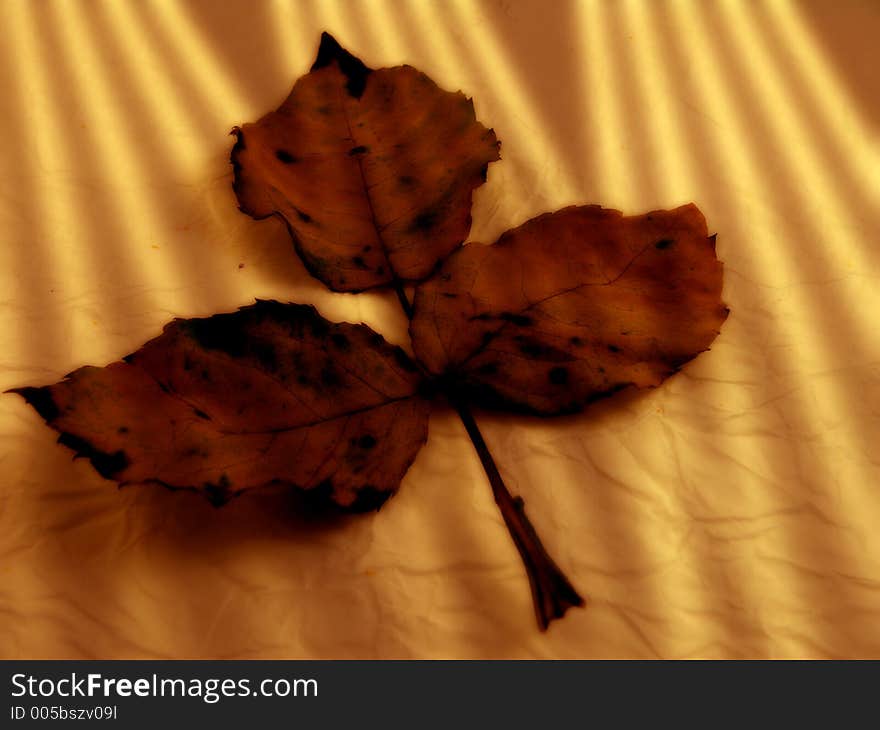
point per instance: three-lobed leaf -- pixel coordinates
(373, 172)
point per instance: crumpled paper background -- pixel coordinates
(731, 513)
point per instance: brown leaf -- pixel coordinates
(271, 393)
(372, 171)
(572, 306)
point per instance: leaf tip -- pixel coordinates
(40, 399)
(355, 70)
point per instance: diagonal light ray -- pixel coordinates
(494, 64)
(143, 64)
(366, 25)
(832, 106)
(40, 263)
(132, 203)
(182, 146)
(221, 88)
(672, 168)
(600, 93)
(291, 35)
(418, 20)
(814, 337)
(43, 138)
(672, 160)
(821, 201)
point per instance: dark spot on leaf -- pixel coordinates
(424, 222)
(107, 465)
(320, 327)
(304, 217)
(223, 332)
(449, 295)
(380, 270)
(323, 493)
(341, 341)
(406, 181)
(359, 150)
(302, 380)
(519, 320)
(558, 376)
(122, 429)
(201, 414)
(330, 377)
(265, 354)
(532, 349)
(576, 341)
(613, 348)
(352, 67)
(286, 157)
(664, 243)
(217, 494)
(482, 317)
(367, 441)
(359, 262)
(367, 248)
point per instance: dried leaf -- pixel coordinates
(271, 393)
(372, 171)
(572, 306)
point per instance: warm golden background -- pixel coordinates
(734, 512)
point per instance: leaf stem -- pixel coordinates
(552, 593)
(404, 300)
